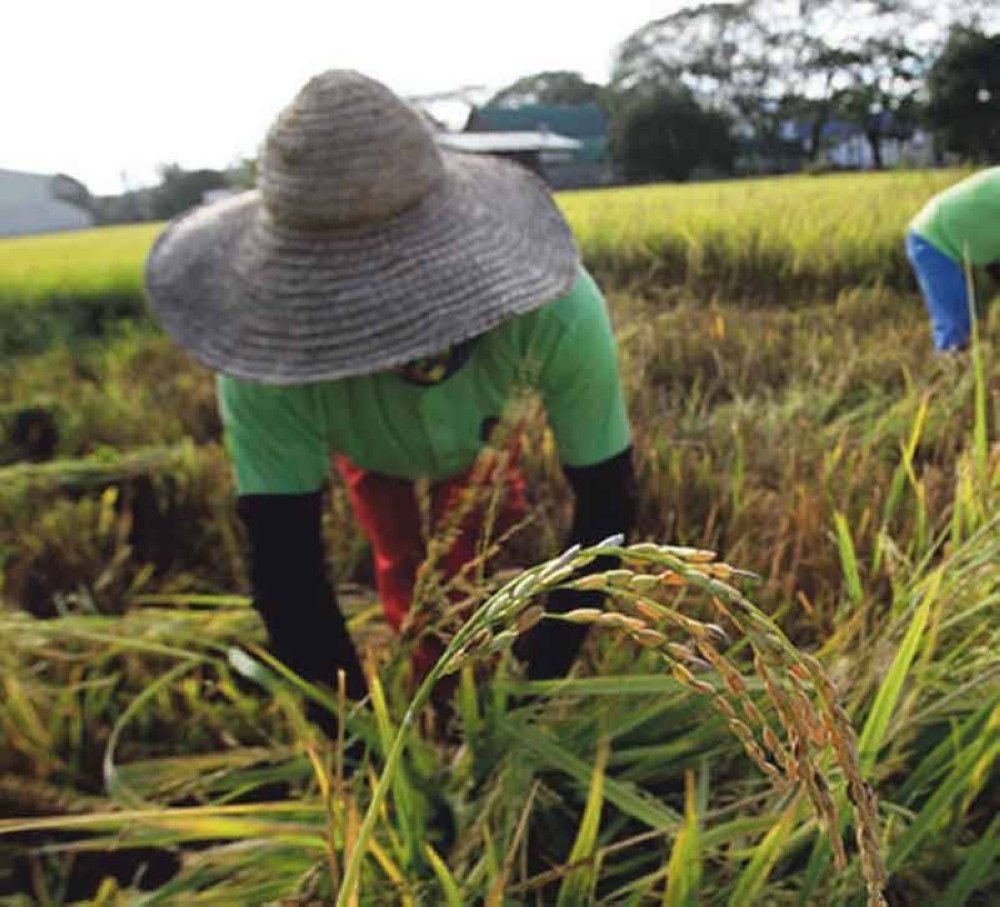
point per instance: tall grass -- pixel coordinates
(925, 700)
(789, 238)
(55, 289)
(153, 753)
(84, 264)
(793, 239)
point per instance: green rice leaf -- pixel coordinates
(877, 725)
(684, 868)
(577, 885)
(980, 859)
(624, 796)
(449, 887)
(750, 885)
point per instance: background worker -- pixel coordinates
(958, 225)
(380, 301)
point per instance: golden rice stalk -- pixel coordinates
(812, 727)
(811, 731)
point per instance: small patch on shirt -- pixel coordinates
(430, 370)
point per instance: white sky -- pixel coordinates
(95, 88)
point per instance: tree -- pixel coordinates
(552, 87)
(881, 83)
(718, 51)
(767, 61)
(68, 189)
(666, 135)
(181, 189)
(964, 86)
(243, 174)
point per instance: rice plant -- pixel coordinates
(726, 738)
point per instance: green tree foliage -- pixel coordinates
(181, 189)
(964, 85)
(243, 175)
(765, 62)
(880, 77)
(71, 190)
(551, 87)
(718, 51)
(667, 135)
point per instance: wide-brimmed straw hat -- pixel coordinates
(364, 247)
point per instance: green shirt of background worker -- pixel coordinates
(959, 225)
(378, 302)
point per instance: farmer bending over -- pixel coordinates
(378, 301)
(962, 223)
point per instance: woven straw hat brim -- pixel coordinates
(259, 301)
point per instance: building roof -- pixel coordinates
(585, 122)
(578, 121)
(509, 142)
(7, 172)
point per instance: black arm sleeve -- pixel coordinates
(291, 591)
(605, 503)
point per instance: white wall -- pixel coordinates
(27, 206)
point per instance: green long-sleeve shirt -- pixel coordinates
(281, 436)
(965, 219)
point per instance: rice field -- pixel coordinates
(86, 264)
(792, 695)
(788, 238)
(55, 289)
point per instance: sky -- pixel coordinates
(106, 90)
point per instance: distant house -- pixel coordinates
(538, 151)
(42, 203)
(587, 164)
(845, 144)
(842, 144)
(852, 150)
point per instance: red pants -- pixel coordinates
(389, 514)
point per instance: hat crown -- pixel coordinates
(346, 152)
